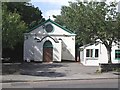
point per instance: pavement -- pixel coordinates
(35, 72)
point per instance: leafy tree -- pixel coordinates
(91, 21)
(17, 18)
(12, 28)
(29, 14)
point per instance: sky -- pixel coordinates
(53, 7)
(50, 7)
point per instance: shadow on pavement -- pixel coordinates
(33, 69)
(44, 74)
(116, 73)
(44, 70)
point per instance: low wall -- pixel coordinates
(108, 67)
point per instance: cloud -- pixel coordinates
(65, 1)
(56, 11)
(51, 13)
(47, 13)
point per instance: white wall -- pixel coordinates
(57, 30)
(103, 54)
(119, 6)
(29, 49)
(39, 50)
(93, 61)
(68, 48)
(82, 55)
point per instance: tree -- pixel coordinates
(91, 21)
(12, 28)
(17, 18)
(29, 14)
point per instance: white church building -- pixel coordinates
(49, 42)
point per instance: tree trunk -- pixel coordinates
(109, 54)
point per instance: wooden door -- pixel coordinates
(47, 52)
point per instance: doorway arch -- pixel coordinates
(47, 51)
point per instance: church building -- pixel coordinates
(49, 42)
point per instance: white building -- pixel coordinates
(119, 6)
(94, 54)
(49, 42)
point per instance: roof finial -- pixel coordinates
(49, 17)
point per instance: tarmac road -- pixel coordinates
(98, 83)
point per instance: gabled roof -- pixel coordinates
(49, 20)
(90, 44)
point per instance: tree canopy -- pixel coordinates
(31, 15)
(17, 18)
(12, 28)
(92, 21)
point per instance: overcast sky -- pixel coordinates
(53, 7)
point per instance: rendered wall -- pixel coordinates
(29, 49)
(92, 61)
(68, 48)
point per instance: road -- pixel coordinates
(101, 83)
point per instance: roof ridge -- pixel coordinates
(54, 24)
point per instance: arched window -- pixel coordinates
(47, 44)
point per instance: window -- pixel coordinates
(48, 44)
(117, 54)
(92, 53)
(96, 52)
(49, 28)
(89, 53)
